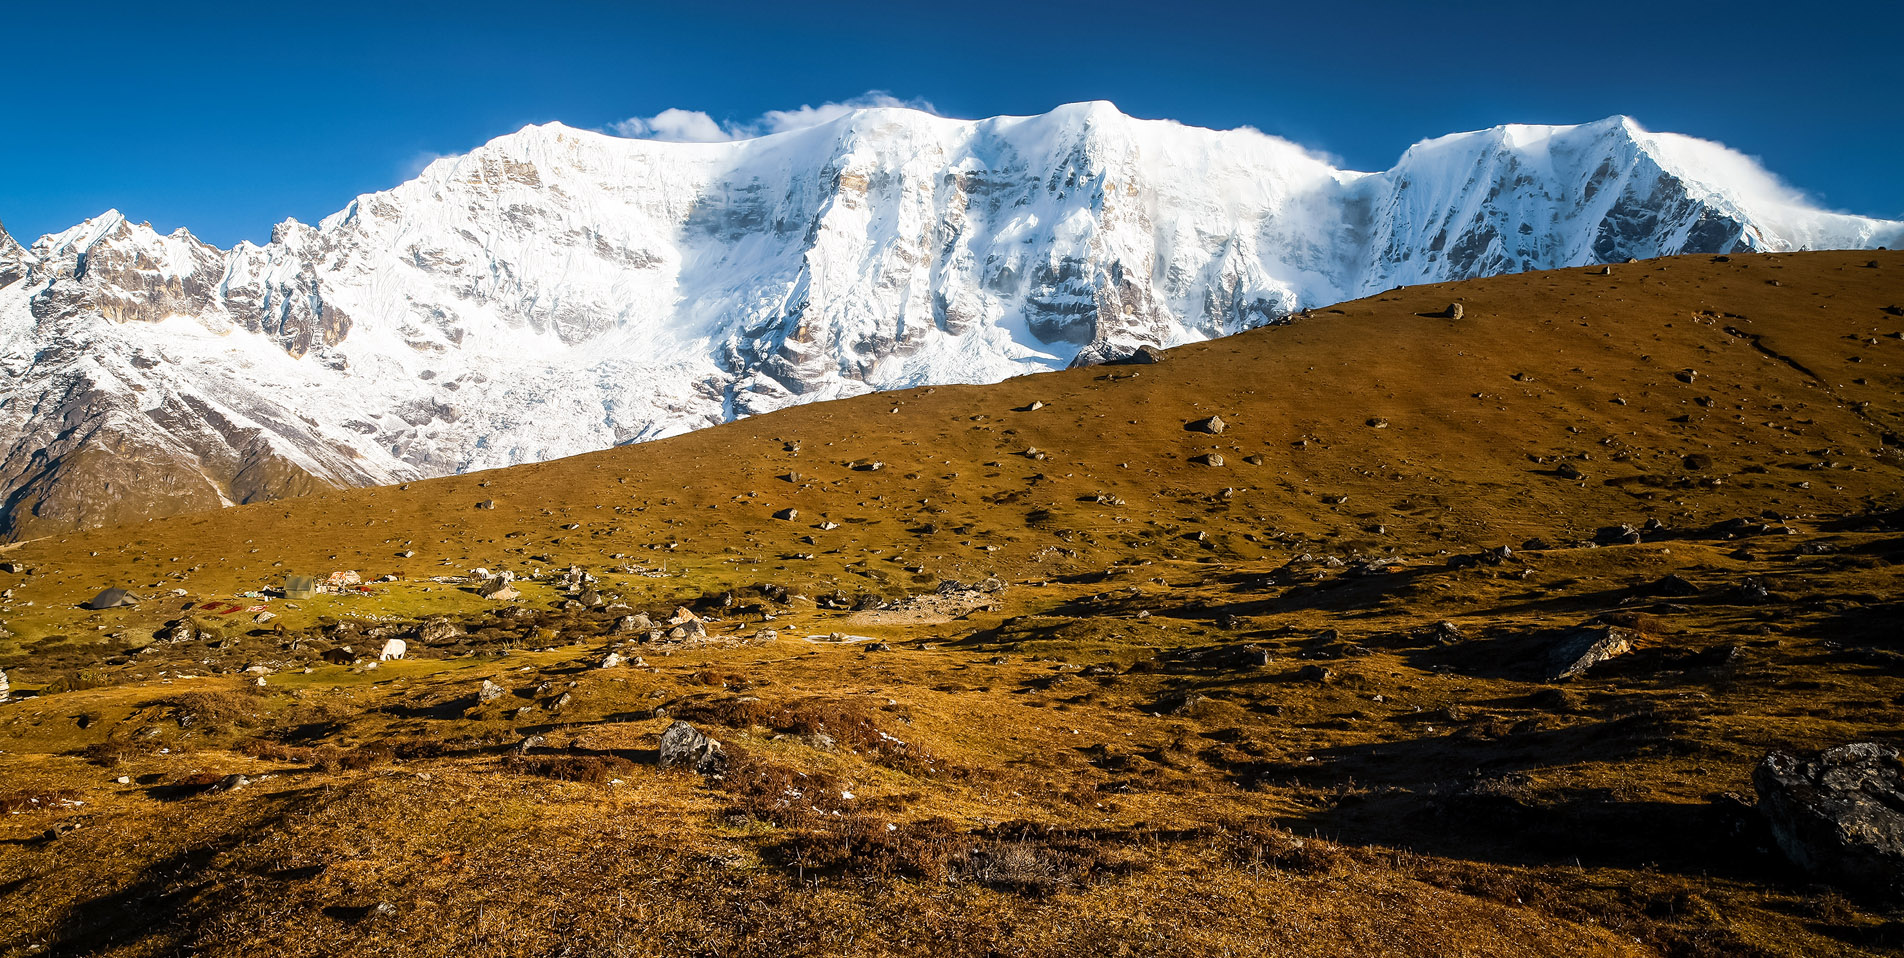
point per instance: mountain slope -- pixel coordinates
(558, 291)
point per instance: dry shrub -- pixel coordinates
(37, 799)
(329, 758)
(74, 680)
(214, 711)
(847, 723)
(112, 754)
(777, 794)
(590, 769)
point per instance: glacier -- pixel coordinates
(557, 290)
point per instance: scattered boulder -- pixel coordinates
(1617, 535)
(530, 743)
(341, 655)
(1839, 813)
(1209, 459)
(495, 586)
(488, 692)
(1672, 584)
(1317, 674)
(787, 515)
(1141, 356)
(609, 661)
(1587, 648)
(1454, 311)
(639, 622)
(507, 593)
(1213, 425)
(438, 629)
(1570, 472)
(1754, 591)
(393, 649)
(5, 688)
(486, 504)
(682, 745)
(1446, 633)
(12, 568)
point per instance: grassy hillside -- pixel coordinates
(1206, 707)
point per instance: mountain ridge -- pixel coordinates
(558, 290)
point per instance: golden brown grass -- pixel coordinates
(1095, 765)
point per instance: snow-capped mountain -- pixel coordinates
(557, 290)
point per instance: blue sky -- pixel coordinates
(228, 118)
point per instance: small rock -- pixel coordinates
(787, 515)
(609, 661)
(1317, 674)
(486, 504)
(1213, 425)
(1455, 311)
(489, 692)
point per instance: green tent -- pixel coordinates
(300, 586)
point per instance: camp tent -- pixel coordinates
(300, 586)
(112, 599)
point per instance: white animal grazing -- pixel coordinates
(393, 649)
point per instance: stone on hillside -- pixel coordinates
(1617, 535)
(1839, 813)
(1142, 356)
(1454, 311)
(438, 629)
(787, 515)
(490, 588)
(633, 623)
(609, 661)
(695, 629)
(1587, 648)
(1570, 472)
(1213, 425)
(488, 692)
(1316, 673)
(12, 568)
(5, 688)
(1209, 459)
(1446, 633)
(486, 504)
(591, 599)
(1753, 590)
(682, 745)
(507, 593)
(1378, 423)
(529, 743)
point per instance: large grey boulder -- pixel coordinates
(5, 688)
(1839, 813)
(1587, 648)
(681, 744)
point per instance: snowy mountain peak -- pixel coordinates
(558, 290)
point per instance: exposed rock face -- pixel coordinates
(682, 745)
(1839, 814)
(1587, 648)
(557, 291)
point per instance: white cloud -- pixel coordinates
(676, 125)
(780, 121)
(694, 126)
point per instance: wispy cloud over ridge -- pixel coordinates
(694, 126)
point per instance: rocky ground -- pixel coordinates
(1476, 644)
